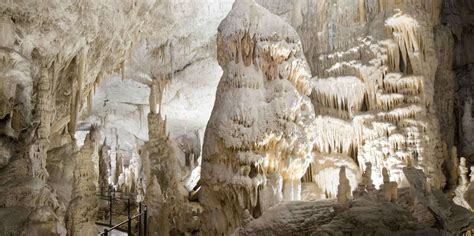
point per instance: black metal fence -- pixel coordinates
(120, 204)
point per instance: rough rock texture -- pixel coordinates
(166, 195)
(464, 193)
(52, 56)
(82, 211)
(261, 127)
(365, 215)
(391, 94)
(104, 167)
(374, 64)
(459, 17)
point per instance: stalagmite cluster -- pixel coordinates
(410, 210)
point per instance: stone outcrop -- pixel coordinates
(389, 189)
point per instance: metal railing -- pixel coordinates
(114, 200)
(142, 217)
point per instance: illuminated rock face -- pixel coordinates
(374, 65)
(259, 137)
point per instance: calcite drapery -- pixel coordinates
(374, 64)
(261, 127)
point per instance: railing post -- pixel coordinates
(145, 230)
(110, 205)
(140, 219)
(105, 232)
(129, 223)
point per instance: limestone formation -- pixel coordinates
(453, 167)
(166, 195)
(249, 140)
(367, 216)
(118, 169)
(344, 189)
(465, 190)
(52, 56)
(82, 211)
(374, 65)
(105, 167)
(389, 189)
(239, 117)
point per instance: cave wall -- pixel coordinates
(458, 17)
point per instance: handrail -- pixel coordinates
(110, 195)
(129, 221)
(118, 225)
(122, 223)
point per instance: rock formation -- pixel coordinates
(365, 215)
(105, 167)
(458, 16)
(373, 87)
(344, 189)
(389, 189)
(82, 211)
(262, 121)
(52, 57)
(464, 193)
(118, 169)
(166, 195)
(330, 117)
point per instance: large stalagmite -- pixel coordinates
(82, 211)
(258, 140)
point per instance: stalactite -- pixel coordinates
(80, 78)
(122, 66)
(153, 97)
(90, 99)
(362, 15)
